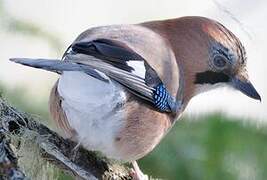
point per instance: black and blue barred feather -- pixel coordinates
(163, 100)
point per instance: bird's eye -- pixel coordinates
(219, 61)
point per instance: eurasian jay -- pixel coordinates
(122, 87)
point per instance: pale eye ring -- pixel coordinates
(219, 61)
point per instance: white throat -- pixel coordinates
(201, 88)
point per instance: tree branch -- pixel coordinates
(8, 161)
(61, 152)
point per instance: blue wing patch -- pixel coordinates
(163, 100)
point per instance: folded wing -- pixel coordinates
(117, 61)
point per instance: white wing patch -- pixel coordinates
(139, 68)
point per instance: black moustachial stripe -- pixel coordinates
(210, 77)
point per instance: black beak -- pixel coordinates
(246, 87)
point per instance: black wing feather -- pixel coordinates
(111, 51)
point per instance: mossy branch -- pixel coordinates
(61, 152)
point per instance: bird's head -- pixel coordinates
(217, 57)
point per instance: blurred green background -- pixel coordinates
(212, 146)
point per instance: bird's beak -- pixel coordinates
(241, 83)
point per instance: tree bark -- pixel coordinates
(61, 152)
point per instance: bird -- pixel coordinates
(122, 87)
